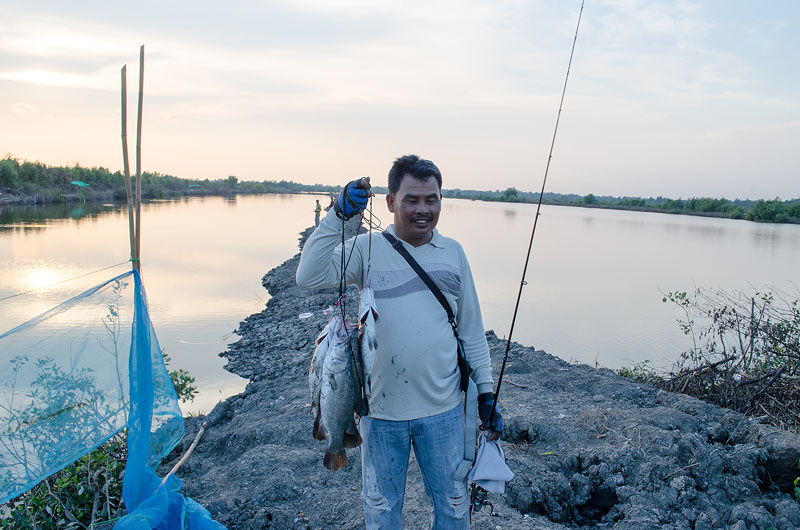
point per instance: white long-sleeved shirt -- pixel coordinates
(416, 372)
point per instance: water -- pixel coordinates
(594, 288)
(596, 277)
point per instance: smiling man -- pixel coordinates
(416, 394)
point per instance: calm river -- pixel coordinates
(593, 293)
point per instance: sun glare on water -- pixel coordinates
(41, 277)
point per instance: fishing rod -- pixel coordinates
(523, 283)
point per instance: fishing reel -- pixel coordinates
(478, 499)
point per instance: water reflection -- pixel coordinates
(773, 238)
(714, 231)
(203, 259)
(40, 277)
(594, 285)
(38, 215)
(593, 289)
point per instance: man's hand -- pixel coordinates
(353, 198)
(491, 424)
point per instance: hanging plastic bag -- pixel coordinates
(490, 471)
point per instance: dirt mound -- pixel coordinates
(588, 448)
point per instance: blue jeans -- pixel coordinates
(438, 443)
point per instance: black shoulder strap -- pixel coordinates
(463, 367)
(398, 246)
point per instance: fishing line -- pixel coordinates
(341, 302)
(64, 281)
(373, 223)
(342, 273)
(369, 247)
(536, 218)
(353, 246)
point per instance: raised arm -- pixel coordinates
(320, 260)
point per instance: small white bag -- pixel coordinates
(490, 471)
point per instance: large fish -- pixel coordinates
(337, 398)
(367, 317)
(323, 342)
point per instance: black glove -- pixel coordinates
(353, 199)
(485, 406)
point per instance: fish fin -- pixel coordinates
(335, 461)
(320, 432)
(351, 427)
(351, 440)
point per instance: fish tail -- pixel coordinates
(335, 461)
(351, 440)
(320, 432)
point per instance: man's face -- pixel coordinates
(416, 207)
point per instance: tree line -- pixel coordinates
(766, 211)
(36, 182)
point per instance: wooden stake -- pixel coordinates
(127, 169)
(186, 454)
(139, 157)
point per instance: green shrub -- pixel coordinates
(773, 211)
(641, 372)
(736, 212)
(744, 354)
(182, 381)
(797, 485)
(9, 173)
(89, 490)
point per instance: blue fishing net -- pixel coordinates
(76, 375)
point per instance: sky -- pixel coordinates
(665, 98)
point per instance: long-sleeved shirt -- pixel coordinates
(415, 373)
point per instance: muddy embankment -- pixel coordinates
(589, 449)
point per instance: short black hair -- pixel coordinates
(416, 167)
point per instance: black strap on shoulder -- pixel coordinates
(398, 246)
(428, 281)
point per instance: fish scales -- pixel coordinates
(323, 342)
(337, 395)
(367, 318)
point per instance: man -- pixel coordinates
(415, 394)
(317, 211)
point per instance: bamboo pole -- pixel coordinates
(139, 157)
(127, 169)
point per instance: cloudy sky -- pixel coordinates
(673, 98)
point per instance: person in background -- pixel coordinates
(317, 211)
(416, 397)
